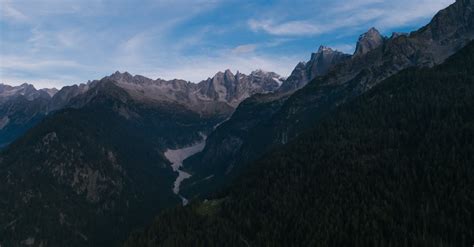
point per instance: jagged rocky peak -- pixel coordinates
(28, 91)
(323, 60)
(257, 73)
(318, 65)
(267, 81)
(227, 78)
(219, 83)
(325, 49)
(230, 88)
(224, 87)
(228, 73)
(119, 75)
(451, 22)
(260, 72)
(369, 41)
(124, 77)
(239, 77)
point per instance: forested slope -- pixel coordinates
(450, 29)
(87, 176)
(393, 167)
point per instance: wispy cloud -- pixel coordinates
(9, 13)
(13, 62)
(22, 10)
(286, 28)
(17, 70)
(244, 48)
(41, 40)
(52, 40)
(406, 12)
(347, 14)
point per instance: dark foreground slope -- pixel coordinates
(19, 114)
(393, 167)
(86, 177)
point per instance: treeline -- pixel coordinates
(393, 167)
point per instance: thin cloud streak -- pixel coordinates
(244, 48)
(383, 14)
(12, 62)
(9, 13)
(50, 40)
(286, 28)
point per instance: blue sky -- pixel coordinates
(52, 43)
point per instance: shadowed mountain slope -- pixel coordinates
(392, 167)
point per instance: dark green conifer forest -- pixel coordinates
(393, 167)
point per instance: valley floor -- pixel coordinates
(177, 156)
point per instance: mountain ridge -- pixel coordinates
(95, 166)
(390, 167)
(425, 47)
(202, 97)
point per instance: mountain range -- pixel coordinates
(21, 107)
(392, 168)
(96, 150)
(239, 141)
(361, 149)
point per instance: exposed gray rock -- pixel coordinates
(25, 90)
(319, 64)
(23, 106)
(219, 94)
(64, 96)
(369, 41)
(233, 89)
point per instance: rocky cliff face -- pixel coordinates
(233, 89)
(369, 41)
(319, 64)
